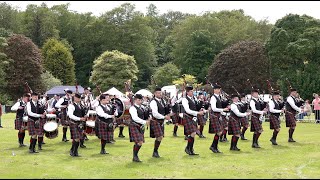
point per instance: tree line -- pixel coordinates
(51, 46)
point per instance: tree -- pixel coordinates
(10, 18)
(239, 62)
(25, 66)
(293, 50)
(58, 60)
(165, 74)
(49, 80)
(3, 65)
(113, 69)
(190, 81)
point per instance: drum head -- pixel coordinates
(25, 118)
(51, 116)
(50, 126)
(91, 123)
(92, 112)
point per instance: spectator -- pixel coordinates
(316, 106)
(0, 114)
(307, 110)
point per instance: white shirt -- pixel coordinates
(101, 113)
(272, 106)
(236, 111)
(95, 104)
(30, 113)
(134, 115)
(61, 100)
(253, 106)
(154, 109)
(213, 102)
(70, 112)
(185, 104)
(16, 106)
(292, 104)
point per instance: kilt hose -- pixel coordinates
(244, 121)
(64, 120)
(35, 127)
(215, 125)
(290, 119)
(201, 120)
(190, 125)
(274, 122)
(224, 122)
(234, 127)
(156, 128)
(135, 132)
(96, 127)
(256, 124)
(105, 132)
(75, 130)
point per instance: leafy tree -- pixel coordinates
(3, 65)
(24, 66)
(113, 69)
(49, 80)
(10, 18)
(239, 62)
(189, 79)
(58, 60)
(165, 74)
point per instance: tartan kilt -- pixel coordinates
(104, 131)
(224, 122)
(75, 131)
(190, 126)
(290, 119)
(234, 127)
(201, 120)
(63, 119)
(35, 131)
(177, 119)
(215, 125)
(18, 124)
(156, 128)
(255, 123)
(274, 122)
(244, 121)
(135, 133)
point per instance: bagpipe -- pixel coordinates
(263, 104)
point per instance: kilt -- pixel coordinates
(215, 125)
(177, 119)
(18, 124)
(104, 131)
(119, 121)
(63, 119)
(75, 131)
(244, 121)
(201, 120)
(135, 133)
(234, 127)
(256, 124)
(190, 126)
(290, 119)
(224, 122)
(156, 128)
(35, 131)
(274, 122)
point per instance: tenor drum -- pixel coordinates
(123, 104)
(90, 123)
(51, 126)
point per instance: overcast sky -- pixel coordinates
(271, 10)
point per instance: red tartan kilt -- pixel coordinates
(234, 127)
(136, 134)
(32, 130)
(274, 122)
(64, 119)
(201, 120)
(290, 119)
(215, 125)
(190, 125)
(156, 128)
(244, 121)
(104, 132)
(18, 124)
(255, 124)
(224, 122)
(75, 131)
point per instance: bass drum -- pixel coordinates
(123, 104)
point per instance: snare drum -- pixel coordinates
(92, 115)
(90, 127)
(25, 122)
(51, 126)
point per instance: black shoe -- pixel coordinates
(86, 138)
(187, 150)
(40, 147)
(185, 137)
(110, 142)
(291, 140)
(225, 140)
(192, 153)
(175, 135)
(71, 152)
(155, 154)
(22, 145)
(255, 145)
(136, 159)
(65, 139)
(43, 143)
(103, 151)
(33, 151)
(242, 137)
(202, 136)
(214, 150)
(1, 127)
(235, 148)
(82, 146)
(121, 136)
(273, 141)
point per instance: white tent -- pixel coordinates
(144, 92)
(170, 89)
(115, 91)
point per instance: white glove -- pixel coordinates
(223, 113)
(195, 119)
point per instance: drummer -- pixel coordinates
(106, 118)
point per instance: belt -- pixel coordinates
(33, 118)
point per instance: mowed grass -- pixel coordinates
(287, 160)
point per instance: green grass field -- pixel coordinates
(287, 160)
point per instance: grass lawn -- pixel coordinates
(287, 160)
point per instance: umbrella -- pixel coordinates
(144, 92)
